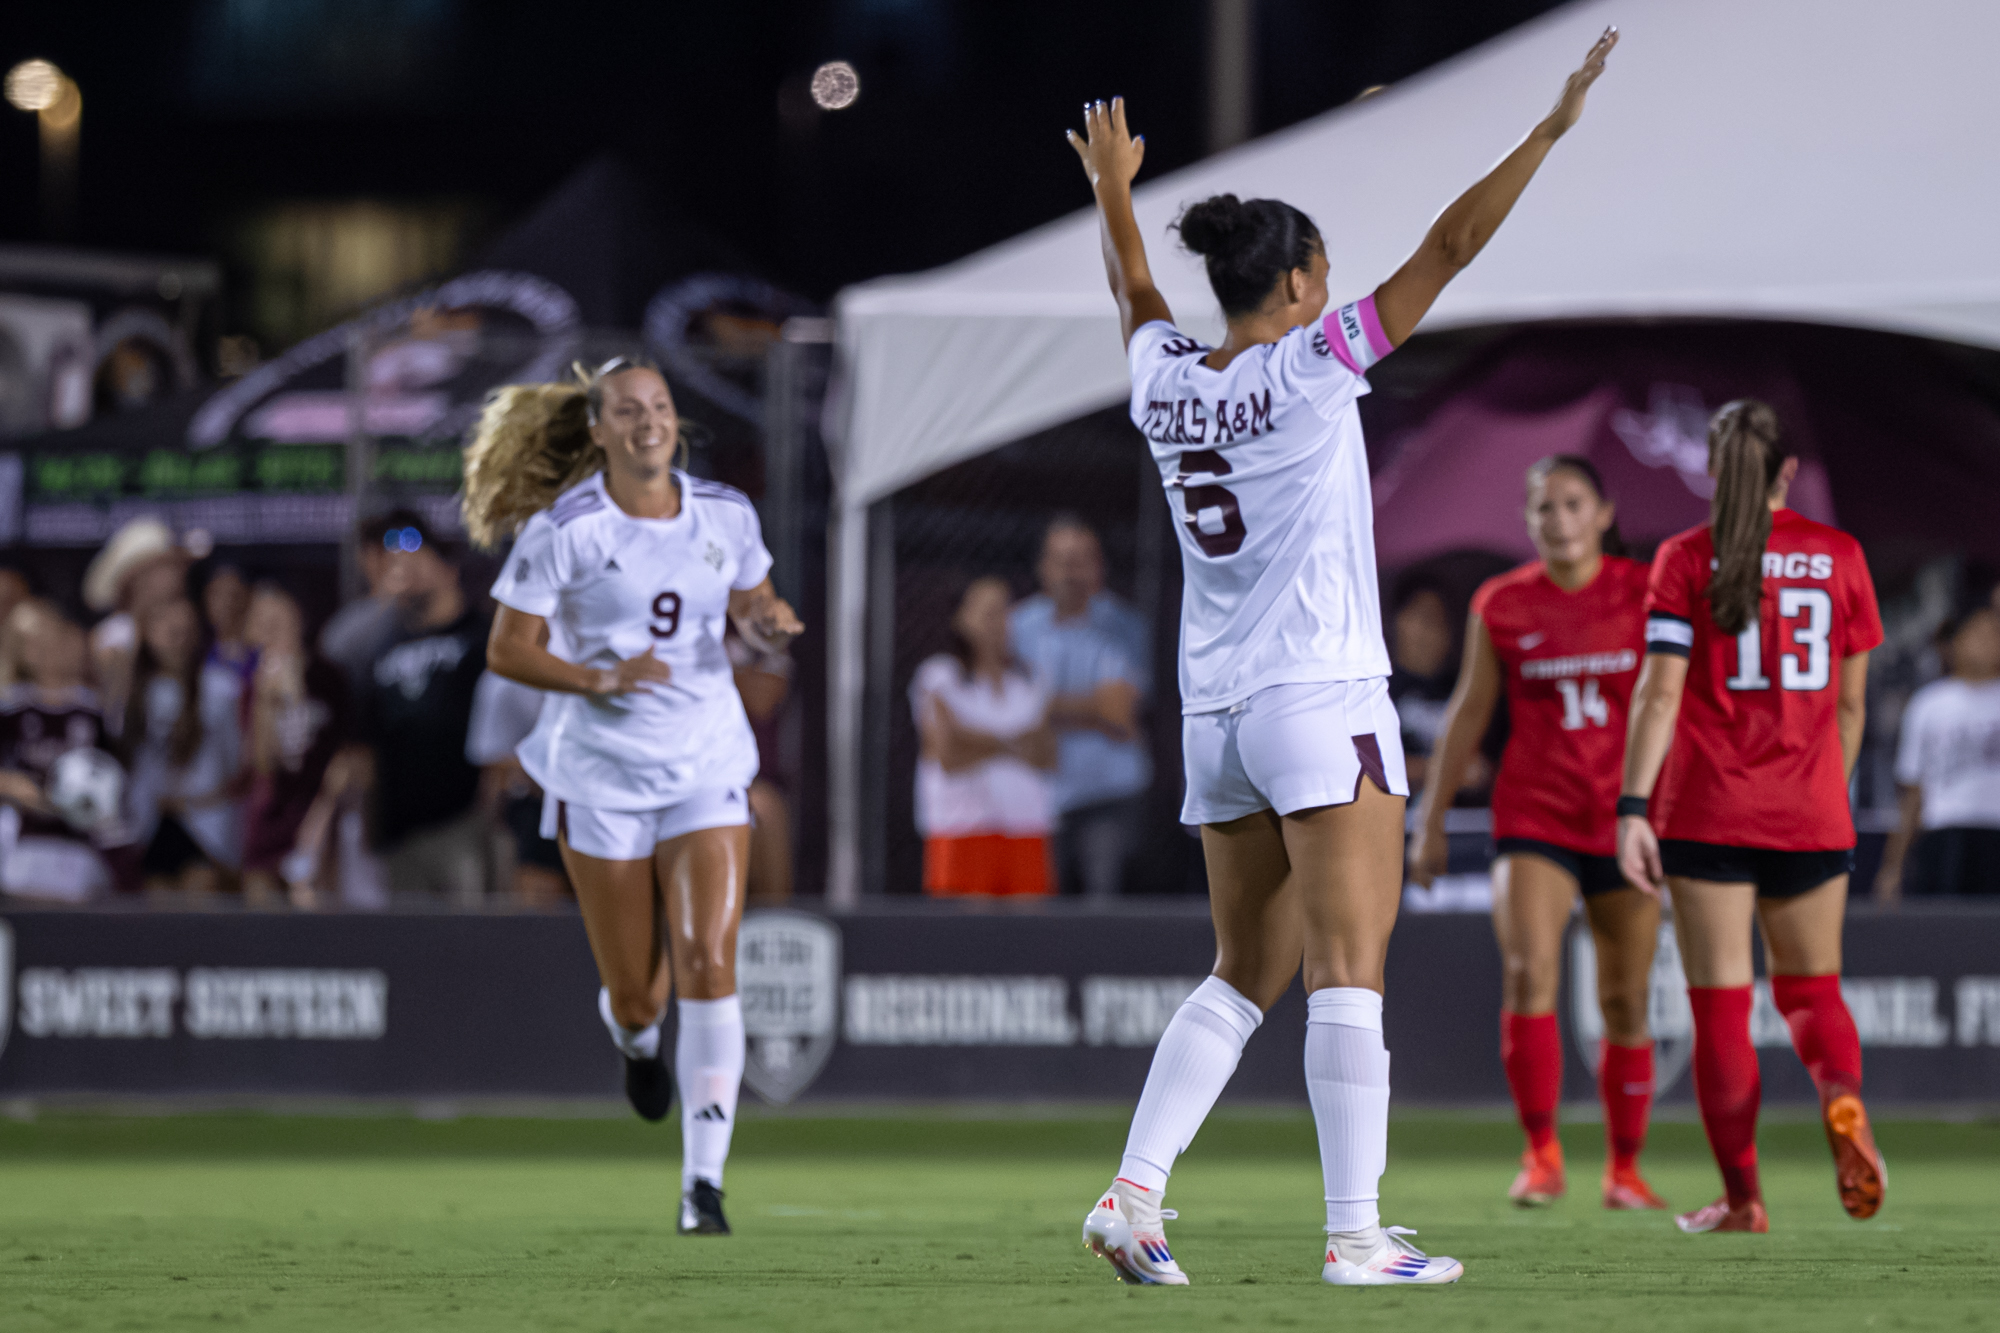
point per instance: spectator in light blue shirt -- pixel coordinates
(1092, 650)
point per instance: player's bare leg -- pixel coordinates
(701, 876)
(1532, 900)
(622, 917)
(1347, 864)
(1625, 928)
(1254, 901)
(1712, 922)
(1802, 941)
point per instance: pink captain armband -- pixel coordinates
(1354, 335)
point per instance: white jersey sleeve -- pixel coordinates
(1329, 363)
(753, 559)
(1156, 351)
(536, 570)
(736, 516)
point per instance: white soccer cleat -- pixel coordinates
(1392, 1262)
(1124, 1230)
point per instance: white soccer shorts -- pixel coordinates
(1292, 747)
(631, 835)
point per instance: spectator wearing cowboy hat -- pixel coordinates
(141, 567)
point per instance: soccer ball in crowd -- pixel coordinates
(86, 787)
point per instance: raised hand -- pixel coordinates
(1570, 105)
(1110, 154)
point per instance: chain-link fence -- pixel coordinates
(988, 516)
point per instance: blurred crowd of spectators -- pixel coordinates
(1033, 763)
(233, 753)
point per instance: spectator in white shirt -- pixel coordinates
(983, 800)
(1948, 773)
(1091, 650)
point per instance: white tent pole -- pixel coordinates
(847, 557)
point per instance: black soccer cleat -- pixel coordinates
(649, 1086)
(701, 1211)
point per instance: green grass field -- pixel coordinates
(932, 1221)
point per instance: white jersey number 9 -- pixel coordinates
(666, 608)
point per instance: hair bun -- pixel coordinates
(1216, 225)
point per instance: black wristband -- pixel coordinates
(1634, 806)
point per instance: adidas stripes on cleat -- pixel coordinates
(1385, 1259)
(701, 1212)
(1124, 1230)
(649, 1086)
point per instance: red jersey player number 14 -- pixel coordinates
(1571, 660)
(1756, 760)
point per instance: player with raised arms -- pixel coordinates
(1562, 636)
(626, 566)
(1293, 755)
(1744, 731)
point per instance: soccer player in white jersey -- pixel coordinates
(630, 565)
(1294, 759)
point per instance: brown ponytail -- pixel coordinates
(1745, 454)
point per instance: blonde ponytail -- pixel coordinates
(533, 443)
(1745, 454)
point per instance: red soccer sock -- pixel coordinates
(1625, 1083)
(1727, 1084)
(1531, 1052)
(1822, 1031)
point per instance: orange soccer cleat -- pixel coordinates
(1857, 1164)
(1719, 1216)
(1540, 1181)
(1627, 1191)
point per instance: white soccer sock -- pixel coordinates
(1347, 1078)
(1195, 1057)
(708, 1064)
(637, 1043)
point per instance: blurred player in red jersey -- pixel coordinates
(1563, 634)
(1744, 730)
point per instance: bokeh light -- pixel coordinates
(835, 85)
(34, 85)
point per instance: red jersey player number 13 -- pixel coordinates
(1746, 723)
(1756, 760)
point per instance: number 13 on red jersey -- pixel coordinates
(1805, 618)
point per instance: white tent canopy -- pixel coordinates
(1831, 161)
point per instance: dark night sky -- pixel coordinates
(955, 143)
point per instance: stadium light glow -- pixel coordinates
(34, 85)
(835, 85)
